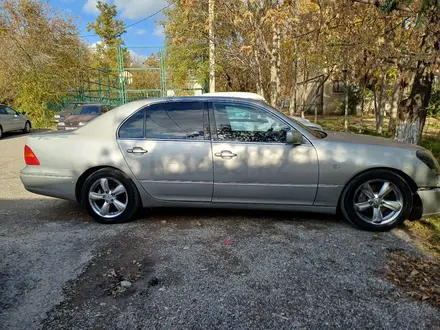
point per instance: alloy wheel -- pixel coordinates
(108, 197)
(378, 202)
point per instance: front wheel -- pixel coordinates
(377, 200)
(109, 196)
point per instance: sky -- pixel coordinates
(144, 34)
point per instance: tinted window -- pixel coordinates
(237, 122)
(2, 110)
(133, 128)
(182, 120)
(90, 110)
(10, 111)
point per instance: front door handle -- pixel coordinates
(137, 151)
(225, 154)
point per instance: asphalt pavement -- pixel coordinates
(191, 269)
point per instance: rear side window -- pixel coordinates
(179, 120)
(134, 127)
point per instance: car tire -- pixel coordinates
(110, 196)
(1, 131)
(27, 128)
(377, 200)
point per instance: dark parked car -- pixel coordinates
(82, 115)
(67, 111)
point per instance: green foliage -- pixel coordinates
(389, 5)
(434, 104)
(110, 30)
(39, 60)
(432, 144)
(354, 98)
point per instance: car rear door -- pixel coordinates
(5, 122)
(252, 161)
(168, 148)
(16, 122)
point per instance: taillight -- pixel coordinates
(29, 157)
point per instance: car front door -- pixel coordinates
(168, 148)
(16, 122)
(252, 161)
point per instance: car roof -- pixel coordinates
(245, 95)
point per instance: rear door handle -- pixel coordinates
(225, 154)
(137, 151)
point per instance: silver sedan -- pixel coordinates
(219, 152)
(12, 120)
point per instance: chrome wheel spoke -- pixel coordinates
(385, 190)
(104, 185)
(118, 190)
(119, 205)
(108, 197)
(377, 215)
(368, 191)
(105, 209)
(95, 196)
(392, 205)
(363, 206)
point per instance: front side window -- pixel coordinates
(237, 122)
(134, 127)
(10, 111)
(175, 120)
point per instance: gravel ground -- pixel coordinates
(191, 269)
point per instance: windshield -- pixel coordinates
(71, 106)
(87, 110)
(315, 133)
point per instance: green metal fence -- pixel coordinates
(133, 78)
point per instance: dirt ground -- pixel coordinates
(191, 269)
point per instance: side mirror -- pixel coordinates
(294, 137)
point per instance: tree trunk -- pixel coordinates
(275, 69)
(292, 106)
(346, 102)
(259, 74)
(394, 104)
(380, 105)
(211, 18)
(413, 109)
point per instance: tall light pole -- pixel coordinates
(211, 18)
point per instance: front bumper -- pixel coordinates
(430, 200)
(49, 185)
(67, 128)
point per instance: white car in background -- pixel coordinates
(254, 96)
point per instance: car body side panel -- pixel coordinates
(67, 156)
(172, 170)
(273, 173)
(339, 162)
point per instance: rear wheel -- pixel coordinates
(1, 131)
(377, 200)
(27, 127)
(110, 196)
